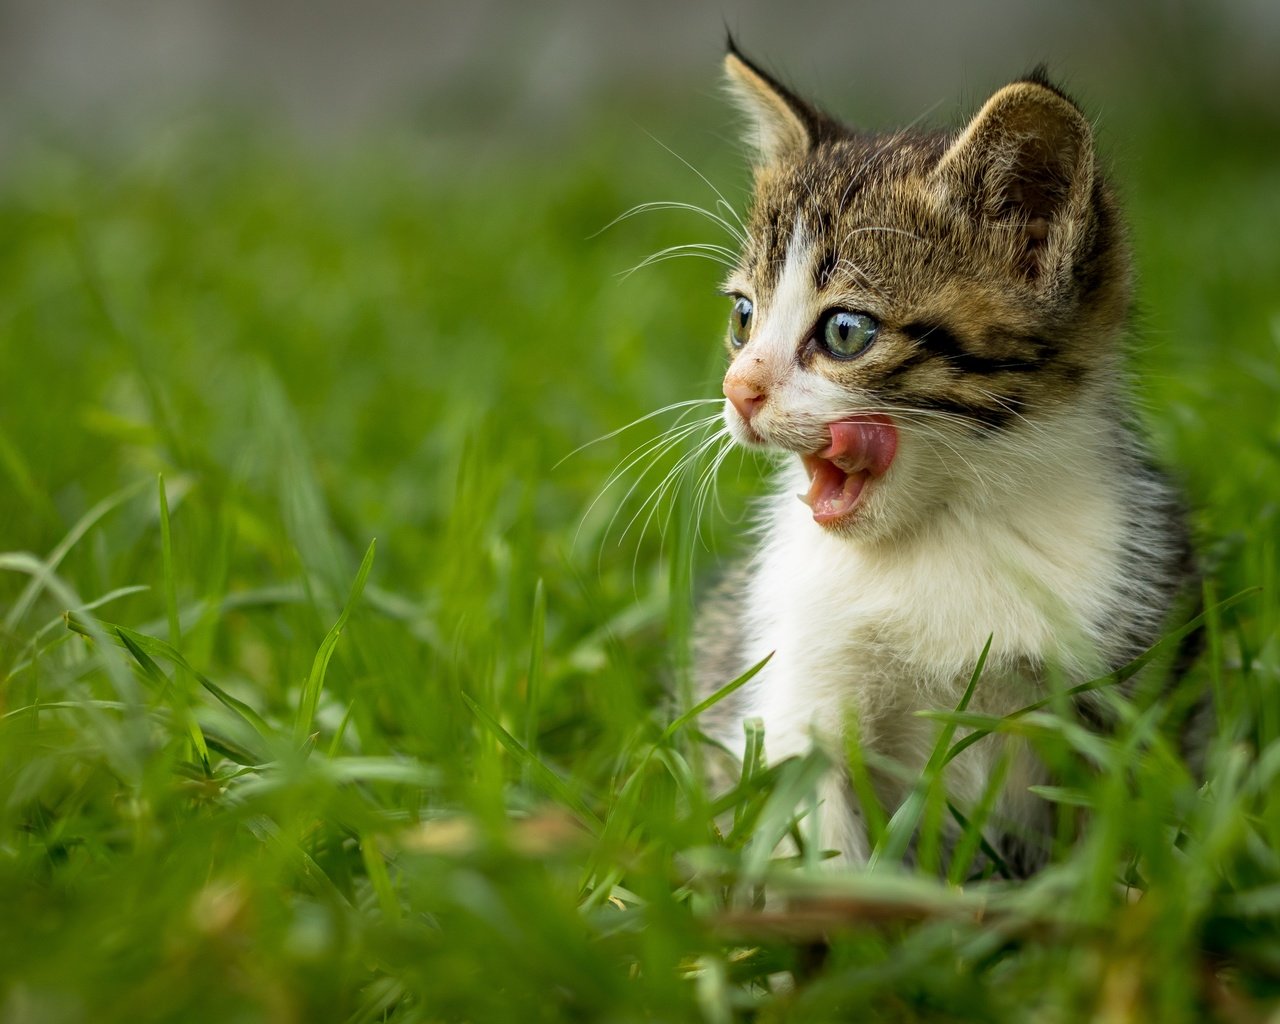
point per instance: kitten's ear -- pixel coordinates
(1026, 159)
(781, 126)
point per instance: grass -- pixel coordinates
(256, 765)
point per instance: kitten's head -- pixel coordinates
(908, 306)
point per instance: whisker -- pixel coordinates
(705, 483)
(957, 418)
(706, 489)
(716, 253)
(707, 181)
(668, 204)
(657, 447)
(706, 474)
(931, 435)
(651, 450)
(1036, 427)
(636, 422)
(864, 277)
(745, 236)
(654, 499)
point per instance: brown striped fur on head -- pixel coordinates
(993, 257)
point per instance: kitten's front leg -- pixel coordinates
(801, 695)
(796, 720)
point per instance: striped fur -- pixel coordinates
(1021, 504)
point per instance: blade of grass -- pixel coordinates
(399, 770)
(116, 669)
(166, 551)
(30, 652)
(65, 705)
(543, 776)
(797, 782)
(175, 626)
(971, 838)
(752, 762)
(175, 694)
(375, 866)
(533, 678)
(158, 648)
(335, 744)
(315, 681)
(715, 698)
(873, 814)
(687, 782)
(306, 514)
(40, 580)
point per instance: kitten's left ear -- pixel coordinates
(1026, 159)
(781, 126)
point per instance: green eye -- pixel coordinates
(845, 335)
(740, 322)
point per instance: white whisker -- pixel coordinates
(707, 181)
(654, 499)
(636, 422)
(705, 250)
(652, 450)
(656, 447)
(665, 204)
(706, 488)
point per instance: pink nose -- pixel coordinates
(745, 398)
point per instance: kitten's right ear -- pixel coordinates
(781, 126)
(1026, 159)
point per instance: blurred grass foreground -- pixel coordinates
(255, 766)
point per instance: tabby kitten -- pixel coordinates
(928, 325)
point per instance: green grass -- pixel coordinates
(245, 775)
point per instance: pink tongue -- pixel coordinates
(859, 450)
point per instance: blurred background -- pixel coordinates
(334, 68)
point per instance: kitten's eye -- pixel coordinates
(740, 322)
(845, 335)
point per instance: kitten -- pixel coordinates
(929, 326)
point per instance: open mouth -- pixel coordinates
(861, 449)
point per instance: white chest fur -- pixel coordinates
(882, 630)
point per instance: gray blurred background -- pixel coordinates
(332, 69)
